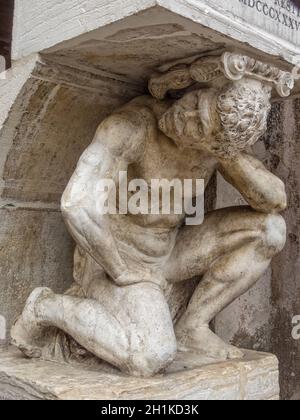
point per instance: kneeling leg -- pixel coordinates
(241, 245)
(139, 339)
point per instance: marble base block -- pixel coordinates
(253, 378)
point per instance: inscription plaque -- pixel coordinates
(280, 18)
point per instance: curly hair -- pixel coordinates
(243, 111)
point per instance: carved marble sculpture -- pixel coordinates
(147, 286)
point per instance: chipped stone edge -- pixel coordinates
(260, 365)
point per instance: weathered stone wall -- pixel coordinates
(52, 120)
(282, 155)
(262, 318)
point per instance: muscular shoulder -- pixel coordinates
(124, 133)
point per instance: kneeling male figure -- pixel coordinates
(128, 268)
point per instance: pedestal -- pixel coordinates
(253, 378)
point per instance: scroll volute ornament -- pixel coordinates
(232, 66)
(177, 78)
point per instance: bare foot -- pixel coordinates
(208, 343)
(27, 334)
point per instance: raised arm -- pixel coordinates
(119, 141)
(260, 188)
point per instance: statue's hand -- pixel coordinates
(130, 277)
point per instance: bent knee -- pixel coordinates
(274, 234)
(153, 357)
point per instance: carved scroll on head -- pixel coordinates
(177, 78)
(236, 67)
(229, 66)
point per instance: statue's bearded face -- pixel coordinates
(223, 122)
(182, 122)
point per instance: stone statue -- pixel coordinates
(148, 286)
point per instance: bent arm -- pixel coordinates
(261, 189)
(117, 144)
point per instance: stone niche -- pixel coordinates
(74, 64)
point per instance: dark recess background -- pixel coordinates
(6, 22)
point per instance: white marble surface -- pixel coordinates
(254, 378)
(40, 25)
